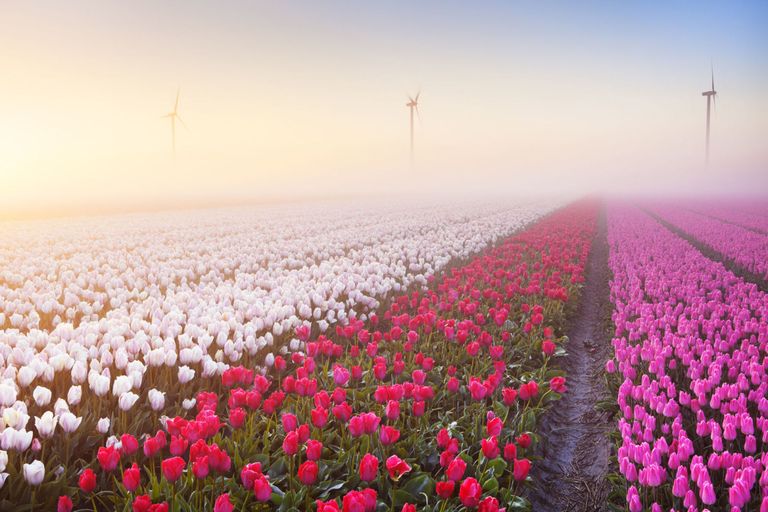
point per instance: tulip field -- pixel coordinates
(376, 357)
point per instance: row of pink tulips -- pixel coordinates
(690, 347)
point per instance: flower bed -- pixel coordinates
(431, 402)
(745, 248)
(690, 360)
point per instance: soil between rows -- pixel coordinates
(574, 435)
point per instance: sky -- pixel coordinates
(301, 99)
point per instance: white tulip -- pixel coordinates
(186, 374)
(269, 360)
(7, 394)
(61, 406)
(188, 403)
(34, 473)
(46, 424)
(69, 422)
(102, 426)
(156, 399)
(26, 376)
(126, 400)
(15, 418)
(122, 385)
(100, 385)
(79, 372)
(42, 396)
(22, 439)
(3, 478)
(3, 460)
(74, 395)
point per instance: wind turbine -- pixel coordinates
(413, 104)
(174, 115)
(710, 103)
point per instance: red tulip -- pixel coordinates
(200, 467)
(262, 489)
(290, 422)
(128, 444)
(418, 408)
(523, 440)
(494, 426)
(327, 506)
(291, 443)
(159, 507)
(548, 347)
(489, 504)
(397, 467)
(223, 504)
(510, 452)
(87, 481)
(132, 477)
(557, 384)
(218, 459)
(172, 468)
(443, 438)
(314, 449)
(151, 447)
(456, 469)
(508, 395)
(389, 435)
(470, 492)
(529, 390)
(109, 457)
(64, 504)
(236, 419)
(142, 503)
(359, 501)
(250, 473)
(369, 467)
(178, 445)
(445, 489)
(408, 507)
(522, 466)
(308, 472)
(392, 411)
(319, 417)
(490, 447)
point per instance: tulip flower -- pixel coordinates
(46, 424)
(262, 489)
(172, 468)
(470, 491)
(132, 478)
(34, 473)
(108, 457)
(397, 467)
(223, 504)
(87, 481)
(64, 504)
(369, 467)
(308, 472)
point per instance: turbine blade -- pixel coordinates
(713, 78)
(176, 105)
(418, 114)
(417, 97)
(182, 122)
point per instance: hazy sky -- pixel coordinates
(303, 98)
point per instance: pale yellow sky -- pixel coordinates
(299, 99)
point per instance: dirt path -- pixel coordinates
(574, 445)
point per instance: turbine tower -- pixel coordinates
(174, 115)
(710, 103)
(413, 104)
